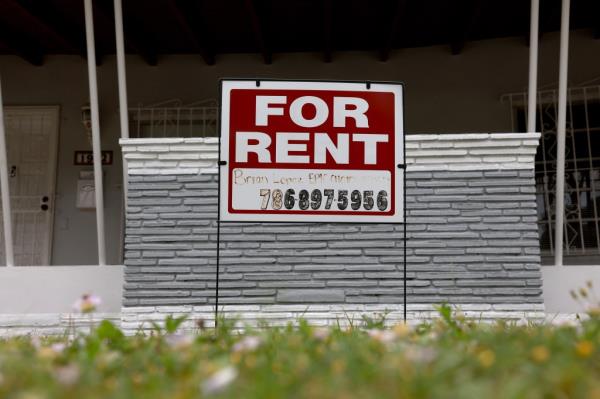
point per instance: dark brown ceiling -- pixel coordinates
(35, 28)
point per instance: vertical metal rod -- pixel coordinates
(533, 63)
(4, 187)
(218, 253)
(561, 127)
(93, 83)
(404, 227)
(218, 235)
(123, 112)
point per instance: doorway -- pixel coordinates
(31, 141)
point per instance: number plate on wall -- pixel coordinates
(308, 151)
(87, 158)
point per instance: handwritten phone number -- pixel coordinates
(278, 199)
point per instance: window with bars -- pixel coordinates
(171, 119)
(582, 170)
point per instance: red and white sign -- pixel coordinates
(307, 151)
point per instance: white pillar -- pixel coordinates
(91, 58)
(123, 113)
(121, 69)
(560, 136)
(533, 64)
(4, 187)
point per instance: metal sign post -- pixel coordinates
(311, 151)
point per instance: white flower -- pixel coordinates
(219, 380)
(67, 375)
(321, 334)
(421, 355)
(247, 344)
(383, 336)
(179, 341)
(35, 342)
(58, 347)
(87, 303)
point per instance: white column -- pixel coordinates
(91, 58)
(533, 64)
(123, 113)
(560, 130)
(121, 69)
(4, 187)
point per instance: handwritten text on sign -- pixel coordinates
(311, 151)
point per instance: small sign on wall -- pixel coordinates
(86, 190)
(86, 158)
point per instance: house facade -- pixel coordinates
(479, 236)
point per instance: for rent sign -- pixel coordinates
(311, 152)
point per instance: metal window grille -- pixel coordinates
(582, 168)
(172, 119)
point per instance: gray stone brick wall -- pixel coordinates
(471, 230)
(469, 241)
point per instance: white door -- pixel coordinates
(31, 140)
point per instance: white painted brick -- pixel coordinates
(520, 136)
(197, 164)
(449, 160)
(430, 152)
(203, 309)
(195, 140)
(463, 136)
(420, 137)
(436, 144)
(501, 151)
(140, 155)
(243, 308)
(179, 171)
(474, 307)
(179, 156)
(495, 159)
(155, 148)
(192, 148)
(438, 153)
(487, 143)
(419, 168)
(144, 171)
(135, 164)
(471, 166)
(138, 309)
(161, 141)
(518, 306)
(518, 165)
(525, 159)
(160, 164)
(175, 309)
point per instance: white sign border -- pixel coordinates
(259, 84)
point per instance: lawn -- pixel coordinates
(447, 358)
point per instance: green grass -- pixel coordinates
(447, 358)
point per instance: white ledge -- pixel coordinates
(462, 151)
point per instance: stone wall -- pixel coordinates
(471, 229)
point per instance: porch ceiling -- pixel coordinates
(35, 28)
